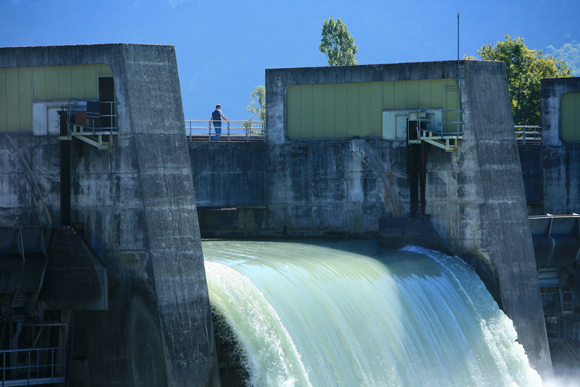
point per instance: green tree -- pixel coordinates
(257, 107)
(337, 44)
(525, 69)
(570, 53)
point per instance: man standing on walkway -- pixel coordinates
(216, 117)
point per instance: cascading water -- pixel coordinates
(353, 314)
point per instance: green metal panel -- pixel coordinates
(352, 109)
(401, 95)
(92, 81)
(25, 99)
(51, 83)
(19, 87)
(39, 82)
(364, 110)
(64, 82)
(13, 100)
(3, 101)
(376, 104)
(341, 113)
(571, 117)
(436, 94)
(413, 93)
(317, 112)
(104, 69)
(329, 117)
(307, 110)
(451, 103)
(346, 110)
(78, 82)
(388, 95)
(293, 110)
(425, 93)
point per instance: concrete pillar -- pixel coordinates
(137, 205)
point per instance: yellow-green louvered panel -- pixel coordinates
(13, 100)
(51, 85)
(105, 70)
(3, 101)
(436, 94)
(341, 111)
(39, 83)
(424, 93)
(571, 117)
(346, 110)
(388, 95)
(352, 109)
(452, 107)
(64, 82)
(376, 104)
(306, 110)
(293, 111)
(19, 87)
(78, 82)
(329, 111)
(413, 93)
(25, 99)
(92, 81)
(401, 95)
(363, 128)
(317, 109)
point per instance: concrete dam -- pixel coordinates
(104, 206)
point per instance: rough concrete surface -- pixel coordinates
(138, 208)
(561, 171)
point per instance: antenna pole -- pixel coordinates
(458, 37)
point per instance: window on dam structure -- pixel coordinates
(571, 117)
(364, 109)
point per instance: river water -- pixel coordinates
(351, 313)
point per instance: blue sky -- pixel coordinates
(224, 47)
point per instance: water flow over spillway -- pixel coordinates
(353, 314)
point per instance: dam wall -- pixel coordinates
(228, 174)
(320, 179)
(134, 203)
(561, 145)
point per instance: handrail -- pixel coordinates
(233, 130)
(75, 104)
(528, 134)
(442, 132)
(25, 373)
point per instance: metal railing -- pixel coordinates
(232, 130)
(528, 134)
(437, 128)
(32, 366)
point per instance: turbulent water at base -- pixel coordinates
(353, 314)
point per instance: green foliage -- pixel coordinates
(525, 69)
(337, 44)
(570, 53)
(257, 107)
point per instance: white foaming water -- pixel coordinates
(350, 313)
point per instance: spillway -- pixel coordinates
(351, 313)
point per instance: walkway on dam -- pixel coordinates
(231, 130)
(248, 130)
